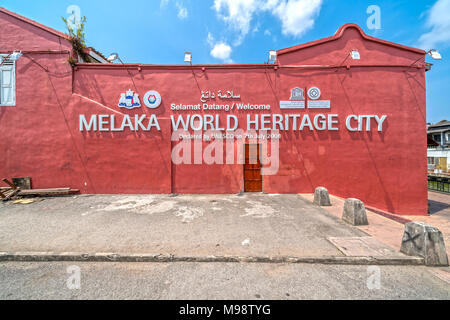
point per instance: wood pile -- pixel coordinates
(15, 192)
(10, 192)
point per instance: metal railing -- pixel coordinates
(440, 184)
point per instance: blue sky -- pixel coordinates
(242, 31)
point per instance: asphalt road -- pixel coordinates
(219, 281)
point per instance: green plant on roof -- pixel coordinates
(77, 38)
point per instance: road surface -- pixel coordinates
(213, 281)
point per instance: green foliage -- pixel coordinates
(77, 38)
(79, 34)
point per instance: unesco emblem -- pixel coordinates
(297, 94)
(152, 99)
(314, 93)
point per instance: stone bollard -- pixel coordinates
(322, 197)
(423, 240)
(355, 213)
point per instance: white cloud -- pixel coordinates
(439, 22)
(222, 51)
(237, 14)
(182, 11)
(210, 39)
(256, 28)
(296, 16)
(267, 32)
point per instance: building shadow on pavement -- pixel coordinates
(438, 207)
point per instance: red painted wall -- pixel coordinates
(40, 137)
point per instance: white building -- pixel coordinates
(439, 153)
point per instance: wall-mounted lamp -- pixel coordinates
(113, 57)
(355, 54)
(11, 57)
(15, 55)
(272, 56)
(433, 53)
(188, 57)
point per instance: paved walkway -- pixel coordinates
(248, 225)
(439, 215)
(391, 232)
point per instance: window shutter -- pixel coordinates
(7, 83)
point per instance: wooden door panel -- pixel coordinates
(253, 158)
(252, 171)
(253, 186)
(252, 174)
(252, 166)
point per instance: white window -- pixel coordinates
(7, 81)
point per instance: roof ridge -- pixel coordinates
(440, 123)
(34, 23)
(340, 32)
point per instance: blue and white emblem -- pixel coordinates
(152, 99)
(129, 100)
(314, 93)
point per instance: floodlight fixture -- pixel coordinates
(11, 57)
(113, 57)
(15, 56)
(355, 54)
(435, 54)
(188, 57)
(272, 56)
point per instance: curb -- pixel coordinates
(388, 215)
(112, 257)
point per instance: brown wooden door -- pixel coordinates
(252, 170)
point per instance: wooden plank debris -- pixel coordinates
(12, 185)
(10, 193)
(13, 191)
(47, 192)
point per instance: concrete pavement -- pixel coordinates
(241, 226)
(200, 225)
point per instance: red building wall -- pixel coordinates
(41, 138)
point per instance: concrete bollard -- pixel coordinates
(423, 240)
(355, 213)
(322, 197)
